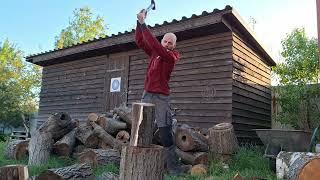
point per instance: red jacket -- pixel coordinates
(161, 62)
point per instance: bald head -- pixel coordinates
(169, 41)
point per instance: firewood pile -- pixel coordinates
(99, 140)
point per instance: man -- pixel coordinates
(156, 89)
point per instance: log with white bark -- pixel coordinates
(17, 149)
(222, 140)
(76, 171)
(96, 157)
(14, 172)
(59, 124)
(108, 176)
(64, 146)
(105, 137)
(142, 163)
(40, 146)
(123, 136)
(124, 113)
(187, 139)
(86, 136)
(143, 115)
(193, 158)
(113, 126)
(298, 165)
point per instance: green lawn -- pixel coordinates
(248, 162)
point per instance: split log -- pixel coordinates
(96, 157)
(199, 169)
(125, 114)
(59, 124)
(17, 149)
(14, 172)
(64, 146)
(222, 140)
(192, 158)
(142, 163)
(108, 176)
(86, 136)
(123, 136)
(76, 171)
(105, 137)
(142, 124)
(298, 165)
(40, 146)
(113, 126)
(187, 139)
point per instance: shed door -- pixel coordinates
(116, 82)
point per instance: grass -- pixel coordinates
(248, 162)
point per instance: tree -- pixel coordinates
(81, 28)
(19, 83)
(298, 76)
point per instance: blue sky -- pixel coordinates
(32, 25)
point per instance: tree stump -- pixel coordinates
(298, 165)
(40, 146)
(222, 141)
(64, 146)
(142, 124)
(123, 136)
(187, 139)
(96, 157)
(85, 135)
(17, 149)
(14, 172)
(193, 158)
(145, 163)
(76, 171)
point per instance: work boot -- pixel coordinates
(174, 166)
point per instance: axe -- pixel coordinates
(151, 6)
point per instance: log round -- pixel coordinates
(298, 165)
(123, 136)
(14, 172)
(76, 171)
(40, 146)
(17, 149)
(64, 146)
(187, 139)
(96, 157)
(93, 117)
(199, 169)
(142, 163)
(222, 139)
(85, 135)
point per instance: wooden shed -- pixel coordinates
(223, 75)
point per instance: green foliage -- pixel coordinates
(81, 28)
(297, 94)
(106, 168)
(19, 82)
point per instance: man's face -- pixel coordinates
(167, 42)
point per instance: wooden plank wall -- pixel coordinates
(75, 87)
(251, 100)
(201, 84)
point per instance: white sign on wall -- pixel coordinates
(115, 84)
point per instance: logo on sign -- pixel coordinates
(115, 84)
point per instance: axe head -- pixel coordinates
(153, 5)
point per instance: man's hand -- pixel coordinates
(141, 16)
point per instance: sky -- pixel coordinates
(32, 25)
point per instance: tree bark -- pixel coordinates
(76, 171)
(187, 139)
(108, 176)
(14, 172)
(40, 146)
(96, 157)
(298, 165)
(222, 140)
(85, 135)
(105, 137)
(142, 124)
(125, 114)
(123, 136)
(64, 146)
(59, 124)
(17, 149)
(113, 126)
(193, 158)
(142, 163)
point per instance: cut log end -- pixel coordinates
(123, 136)
(199, 169)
